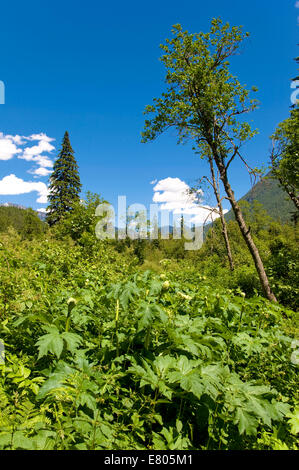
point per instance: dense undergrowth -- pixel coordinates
(102, 353)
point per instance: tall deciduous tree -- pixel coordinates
(206, 103)
(285, 156)
(285, 153)
(65, 183)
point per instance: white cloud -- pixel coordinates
(20, 146)
(297, 4)
(173, 194)
(206, 215)
(12, 185)
(44, 161)
(43, 199)
(35, 152)
(31, 153)
(16, 145)
(17, 139)
(171, 184)
(41, 171)
(40, 136)
(8, 148)
(171, 190)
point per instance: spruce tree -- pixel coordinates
(65, 183)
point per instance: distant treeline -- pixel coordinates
(25, 221)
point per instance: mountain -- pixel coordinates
(41, 215)
(268, 193)
(11, 204)
(274, 199)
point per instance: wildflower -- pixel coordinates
(184, 296)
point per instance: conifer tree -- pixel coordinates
(65, 186)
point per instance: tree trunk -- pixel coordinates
(245, 232)
(226, 239)
(223, 222)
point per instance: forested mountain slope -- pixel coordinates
(275, 201)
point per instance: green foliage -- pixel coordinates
(285, 156)
(80, 223)
(278, 246)
(201, 91)
(284, 270)
(25, 221)
(100, 355)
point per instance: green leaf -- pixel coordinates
(294, 421)
(88, 400)
(130, 289)
(5, 440)
(187, 375)
(20, 441)
(56, 379)
(51, 342)
(179, 425)
(246, 422)
(155, 287)
(72, 341)
(148, 313)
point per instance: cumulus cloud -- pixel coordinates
(12, 185)
(40, 136)
(35, 154)
(174, 195)
(43, 198)
(44, 161)
(41, 171)
(16, 145)
(8, 147)
(297, 4)
(31, 153)
(44, 166)
(36, 149)
(17, 139)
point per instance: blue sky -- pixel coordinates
(91, 68)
